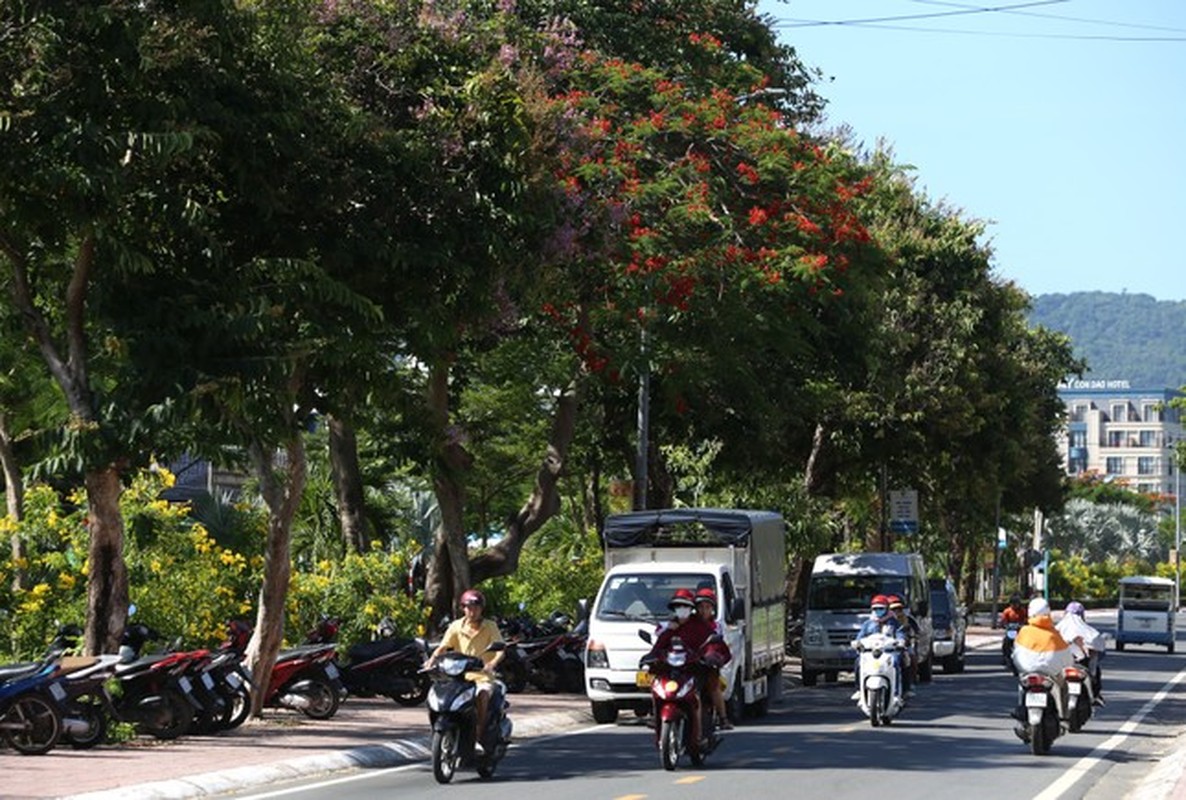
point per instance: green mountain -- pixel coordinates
(1132, 337)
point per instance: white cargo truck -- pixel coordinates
(739, 554)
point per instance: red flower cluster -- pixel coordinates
(748, 173)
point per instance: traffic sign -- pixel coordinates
(903, 511)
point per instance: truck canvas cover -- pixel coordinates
(675, 527)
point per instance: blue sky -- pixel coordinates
(1068, 136)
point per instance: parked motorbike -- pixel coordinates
(1007, 639)
(676, 681)
(548, 655)
(389, 665)
(30, 710)
(880, 664)
(154, 691)
(304, 678)
(452, 713)
(1044, 716)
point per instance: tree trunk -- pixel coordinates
(503, 558)
(347, 477)
(14, 497)
(282, 494)
(107, 579)
(448, 575)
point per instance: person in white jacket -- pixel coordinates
(1088, 645)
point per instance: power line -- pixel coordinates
(1040, 15)
(965, 11)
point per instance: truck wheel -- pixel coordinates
(810, 677)
(605, 713)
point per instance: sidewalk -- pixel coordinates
(282, 746)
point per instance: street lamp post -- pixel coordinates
(1178, 535)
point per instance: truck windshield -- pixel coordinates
(644, 596)
(852, 592)
(1138, 596)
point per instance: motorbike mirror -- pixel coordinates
(645, 635)
(583, 608)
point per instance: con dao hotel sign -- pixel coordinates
(1095, 384)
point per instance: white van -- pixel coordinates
(842, 588)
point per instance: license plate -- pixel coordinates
(331, 671)
(643, 679)
(1074, 687)
(1144, 623)
(185, 685)
(234, 680)
(1035, 700)
(57, 691)
(207, 681)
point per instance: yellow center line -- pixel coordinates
(631, 797)
(690, 779)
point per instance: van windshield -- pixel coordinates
(852, 592)
(644, 596)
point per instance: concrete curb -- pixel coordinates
(377, 756)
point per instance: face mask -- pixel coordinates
(880, 613)
(682, 612)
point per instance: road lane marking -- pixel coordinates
(630, 797)
(1089, 761)
(690, 779)
(370, 773)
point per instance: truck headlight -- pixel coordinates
(814, 635)
(595, 656)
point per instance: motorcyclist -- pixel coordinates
(706, 608)
(692, 632)
(1088, 645)
(1040, 648)
(1014, 613)
(880, 621)
(472, 636)
(910, 627)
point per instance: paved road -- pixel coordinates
(954, 740)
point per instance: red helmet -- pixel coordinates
(879, 600)
(682, 597)
(706, 595)
(472, 597)
(895, 601)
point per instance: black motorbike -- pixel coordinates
(548, 654)
(389, 665)
(1007, 639)
(452, 712)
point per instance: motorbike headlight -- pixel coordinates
(434, 701)
(462, 698)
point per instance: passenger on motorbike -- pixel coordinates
(910, 627)
(1088, 645)
(706, 608)
(1040, 648)
(472, 636)
(693, 632)
(880, 621)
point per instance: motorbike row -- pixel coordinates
(73, 699)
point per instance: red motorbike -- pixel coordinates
(677, 681)
(304, 678)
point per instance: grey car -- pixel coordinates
(950, 625)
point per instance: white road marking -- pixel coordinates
(1089, 761)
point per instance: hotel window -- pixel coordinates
(1116, 438)
(1120, 412)
(1153, 412)
(1079, 414)
(1145, 465)
(1078, 438)
(1114, 466)
(1148, 438)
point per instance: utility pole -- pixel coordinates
(644, 426)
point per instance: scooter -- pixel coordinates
(453, 715)
(551, 655)
(880, 663)
(675, 683)
(1007, 640)
(30, 710)
(154, 691)
(1080, 698)
(1044, 716)
(388, 665)
(304, 678)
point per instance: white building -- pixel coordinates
(1120, 432)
